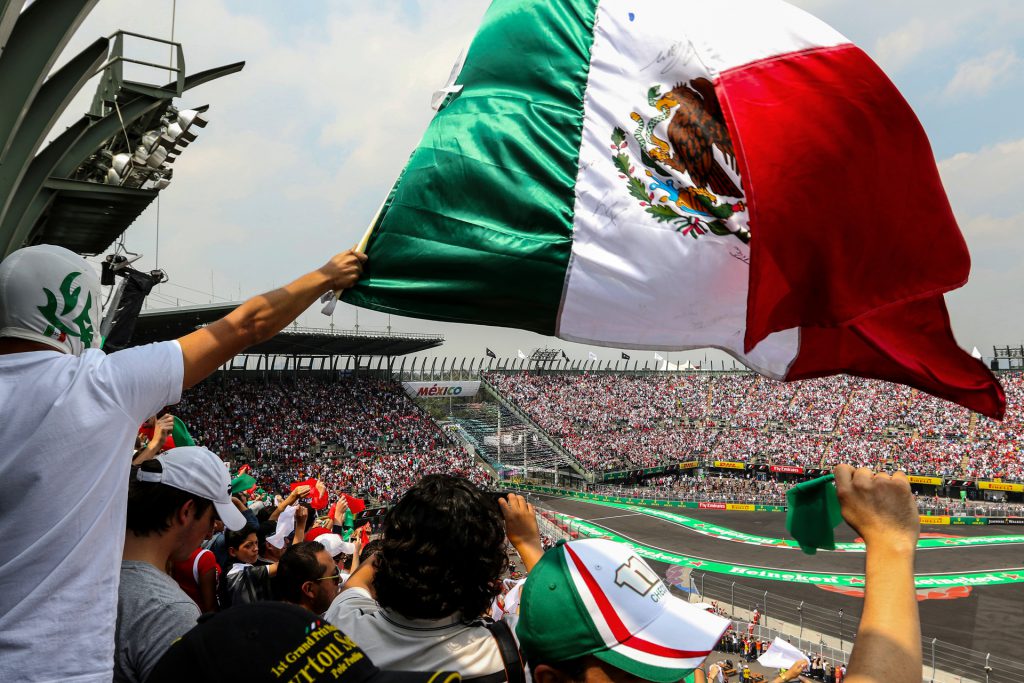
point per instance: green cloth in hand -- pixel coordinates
(180, 434)
(813, 514)
(243, 482)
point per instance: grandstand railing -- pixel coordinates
(525, 418)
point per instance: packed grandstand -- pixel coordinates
(373, 432)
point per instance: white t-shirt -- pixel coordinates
(67, 430)
(393, 642)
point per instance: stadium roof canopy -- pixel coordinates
(161, 325)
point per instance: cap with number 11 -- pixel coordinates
(598, 597)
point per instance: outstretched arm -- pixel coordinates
(881, 509)
(263, 316)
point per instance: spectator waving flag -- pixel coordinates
(675, 175)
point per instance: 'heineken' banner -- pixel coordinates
(441, 389)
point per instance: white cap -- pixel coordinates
(333, 544)
(50, 295)
(198, 471)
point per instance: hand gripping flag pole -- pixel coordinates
(330, 299)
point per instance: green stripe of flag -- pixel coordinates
(479, 226)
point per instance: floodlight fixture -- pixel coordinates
(140, 156)
(122, 163)
(191, 117)
(157, 157)
(166, 140)
(174, 130)
(151, 140)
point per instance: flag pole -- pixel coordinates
(331, 298)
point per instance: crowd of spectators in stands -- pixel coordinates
(358, 434)
(621, 421)
(719, 489)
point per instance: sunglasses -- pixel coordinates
(336, 577)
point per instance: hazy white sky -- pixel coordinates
(305, 142)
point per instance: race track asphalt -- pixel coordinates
(989, 619)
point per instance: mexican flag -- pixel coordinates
(673, 175)
(354, 507)
(179, 435)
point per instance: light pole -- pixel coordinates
(800, 611)
(841, 649)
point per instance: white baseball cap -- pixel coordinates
(50, 295)
(198, 471)
(333, 544)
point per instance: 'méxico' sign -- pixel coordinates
(441, 389)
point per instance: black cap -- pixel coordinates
(274, 641)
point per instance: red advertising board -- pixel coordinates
(787, 469)
(712, 506)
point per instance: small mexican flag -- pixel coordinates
(179, 435)
(676, 175)
(355, 506)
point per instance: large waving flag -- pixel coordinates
(679, 174)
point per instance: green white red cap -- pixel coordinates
(598, 597)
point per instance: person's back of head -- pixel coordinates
(443, 551)
(47, 274)
(152, 505)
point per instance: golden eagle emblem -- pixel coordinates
(688, 185)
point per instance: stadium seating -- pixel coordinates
(621, 421)
(360, 434)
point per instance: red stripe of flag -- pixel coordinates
(854, 240)
(619, 630)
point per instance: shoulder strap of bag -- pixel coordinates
(515, 670)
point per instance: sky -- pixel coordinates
(305, 142)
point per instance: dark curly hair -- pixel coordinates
(443, 551)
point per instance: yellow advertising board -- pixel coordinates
(1000, 486)
(942, 520)
(689, 465)
(930, 481)
(728, 465)
(739, 506)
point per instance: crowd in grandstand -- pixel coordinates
(357, 434)
(719, 489)
(612, 421)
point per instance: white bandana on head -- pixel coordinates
(50, 295)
